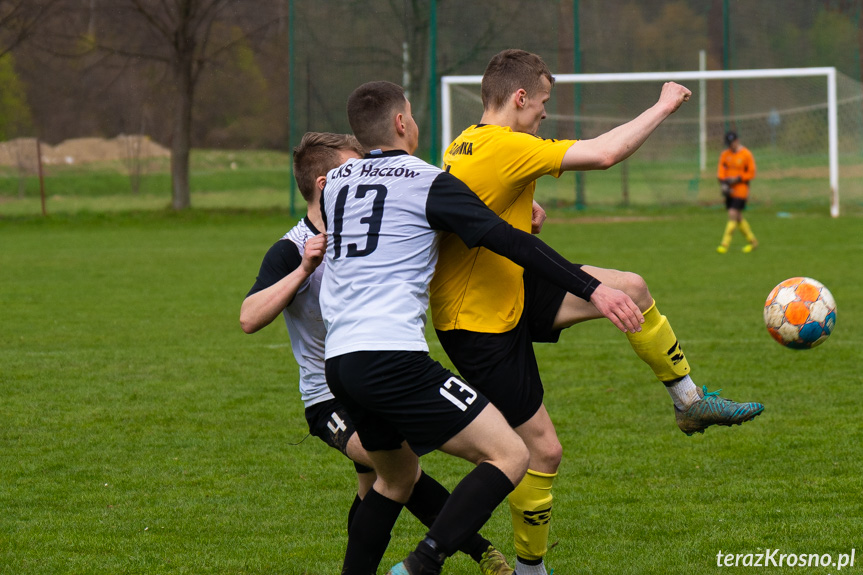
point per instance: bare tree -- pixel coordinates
(413, 49)
(19, 20)
(178, 34)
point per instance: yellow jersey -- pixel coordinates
(476, 289)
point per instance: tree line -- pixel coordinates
(258, 73)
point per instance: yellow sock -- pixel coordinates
(658, 347)
(747, 232)
(530, 506)
(729, 230)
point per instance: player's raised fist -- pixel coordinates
(674, 95)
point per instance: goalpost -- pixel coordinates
(759, 113)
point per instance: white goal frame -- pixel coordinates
(829, 74)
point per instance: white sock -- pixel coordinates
(684, 392)
(522, 569)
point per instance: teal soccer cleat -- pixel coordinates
(714, 410)
(398, 569)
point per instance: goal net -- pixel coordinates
(803, 125)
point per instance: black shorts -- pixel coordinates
(502, 365)
(329, 422)
(393, 396)
(736, 203)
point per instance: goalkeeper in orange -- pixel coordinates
(736, 170)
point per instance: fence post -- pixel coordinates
(41, 176)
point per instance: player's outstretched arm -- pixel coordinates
(261, 308)
(532, 253)
(453, 207)
(616, 145)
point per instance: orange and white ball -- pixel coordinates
(800, 313)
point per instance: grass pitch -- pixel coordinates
(142, 432)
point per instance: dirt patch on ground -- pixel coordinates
(21, 152)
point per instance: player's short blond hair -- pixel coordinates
(317, 154)
(511, 70)
(370, 108)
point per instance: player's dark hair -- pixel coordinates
(369, 109)
(730, 137)
(317, 154)
(509, 71)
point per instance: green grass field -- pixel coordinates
(259, 179)
(142, 432)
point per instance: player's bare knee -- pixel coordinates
(546, 453)
(397, 488)
(636, 287)
(548, 457)
(541, 439)
(515, 462)
(507, 451)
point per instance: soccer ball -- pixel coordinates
(800, 313)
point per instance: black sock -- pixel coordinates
(469, 506)
(370, 533)
(426, 559)
(426, 502)
(353, 510)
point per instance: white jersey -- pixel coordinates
(303, 314)
(383, 213)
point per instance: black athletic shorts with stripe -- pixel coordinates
(330, 422)
(393, 396)
(502, 365)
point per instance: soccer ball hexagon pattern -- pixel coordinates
(800, 313)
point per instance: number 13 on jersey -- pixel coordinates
(371, 221)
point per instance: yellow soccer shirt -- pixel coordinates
(476, 289)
